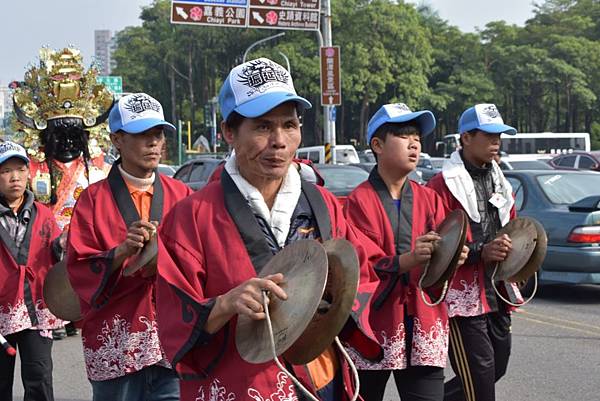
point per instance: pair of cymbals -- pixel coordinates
(321, 282)
(447, 250)
(62, 300)
(529, 246)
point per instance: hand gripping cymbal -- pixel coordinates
(447, 250)
(529, 245)
(304, 267)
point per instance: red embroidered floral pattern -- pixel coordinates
(15, 318)
(430, 348)
(285, 391)
(464, 301)
(216, 392)
(394, 352)
(122, 351)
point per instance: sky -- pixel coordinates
(28, 25)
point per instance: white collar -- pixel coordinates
(280, 216)
(140, 184)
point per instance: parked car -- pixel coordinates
(366, 156)
(507, 164)
(567, 204)
(340, 180)
(414, 175)
(577, 160)
(426, 167)
(167, 169)
(196, 172)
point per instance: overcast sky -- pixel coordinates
(28, 25)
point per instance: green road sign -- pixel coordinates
(112, 83)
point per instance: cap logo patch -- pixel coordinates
(261, 75)
(488, 113)
(7, 147)
(491, 111)
(138, 104)
(397, 109)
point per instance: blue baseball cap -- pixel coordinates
(136, 113)
(400, 113)
(484, 117)
(256, 87)
(9, 150)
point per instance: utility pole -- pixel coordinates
(328, 124)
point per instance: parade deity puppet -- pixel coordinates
(61, 111)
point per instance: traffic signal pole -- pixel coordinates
(327, 41)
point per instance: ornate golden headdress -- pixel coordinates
(57, 88)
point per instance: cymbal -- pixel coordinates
(59, 295)
(304, 267)
(336, 303)
(148, 253)
(529, 245)
(447, 250)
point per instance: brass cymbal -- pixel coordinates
(59, 295)
(148, 253)
(529, 244)
(447, 250)
(304, 267)
(336, 303)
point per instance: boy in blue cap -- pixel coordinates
(28, 247)
(400, 216)
(471, 180)
(112, 221)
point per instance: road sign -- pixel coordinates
(278, 18)
(271, 14)
(210, 13)
(331, 88)
(112, 83)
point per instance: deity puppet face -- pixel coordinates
(65, 139)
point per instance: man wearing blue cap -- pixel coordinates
(112, 222)
(471, 180)
(400, 216)
(28, 247)
(216, 242)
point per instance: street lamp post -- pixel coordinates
(258, 42)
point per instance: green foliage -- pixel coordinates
(544, 76)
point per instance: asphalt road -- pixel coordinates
(556, 352)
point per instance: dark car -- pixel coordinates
(196, 172)
(414, 175)
(577, 160)
(341, 179)
(567, 204)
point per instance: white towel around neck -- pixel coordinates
(280, 215)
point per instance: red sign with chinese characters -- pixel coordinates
(331, 87)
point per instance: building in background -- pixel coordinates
(104, 46)
(5, 106)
